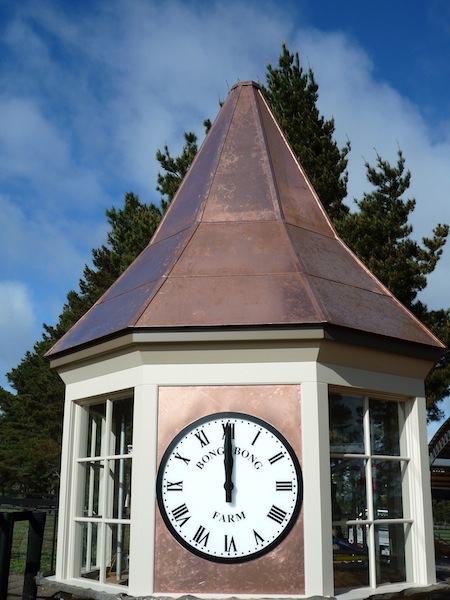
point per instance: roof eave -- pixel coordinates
(133, 337)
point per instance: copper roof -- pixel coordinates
(246, 243)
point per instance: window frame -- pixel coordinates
(84, 467)
(372, 521)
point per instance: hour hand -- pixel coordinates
(228, 461)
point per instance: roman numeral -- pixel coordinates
(258, 538)
(276, 514)
(176, 486)
(185, 460)
(256, 437)
(284, 486)
(230, 546)
(179, 514)
(275, 458)
(231, 426)
(200, 536)
(201, 436)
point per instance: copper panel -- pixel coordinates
(280, 571)
(235, 300)
(243, 186)
(359, 309)
(300, 206)
(188, 204)
(248, 248)
(106, 318)
(154, 262)
(329, 258)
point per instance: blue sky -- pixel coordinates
(91, 89)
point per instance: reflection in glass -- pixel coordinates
(93, 472)
(122, 426)
(96, 429)
(346, 424)
(390, 553)
(120, 473)
(114, 568)
(387, 488)
(384, 427)
(117, 554)
(350, 557)
(348, 489)
(90, 539)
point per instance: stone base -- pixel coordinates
(439, 591)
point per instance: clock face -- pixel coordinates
(229, 487)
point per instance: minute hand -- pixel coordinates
(228, 461)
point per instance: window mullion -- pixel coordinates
(369, 487)
(105, 451)
(370, 497)
(91, 496)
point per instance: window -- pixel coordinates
(369, 468)
(102, 520)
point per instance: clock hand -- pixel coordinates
(228, 461)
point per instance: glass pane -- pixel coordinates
(122, 426)
(346, 424)
(387, 488)
(384, 427)
(348, 489)
(120, 477)
(96, 428)
(89, 545)
(390, 553)
(93, 473)
(350, 557)
(117, 554)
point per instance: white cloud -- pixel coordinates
(44, 247)
(18, 328)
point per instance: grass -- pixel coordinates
(442, 534)
(19, 546)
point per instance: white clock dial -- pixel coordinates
(229, 487)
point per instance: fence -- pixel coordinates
(27, 540)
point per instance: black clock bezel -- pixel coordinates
(159, 492)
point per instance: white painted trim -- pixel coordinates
(317, 489)
(424, 568)
(143, 505)
(64, 517)
(158, 339)
(364, 381)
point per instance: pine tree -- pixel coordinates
(379, 233)
(31, 419)
(292, 95)
(437, 384)
(175, 168)
(31, 425)
(131, 229)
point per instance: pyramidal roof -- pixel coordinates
(245, 243)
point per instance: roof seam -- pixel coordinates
(277, 206)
